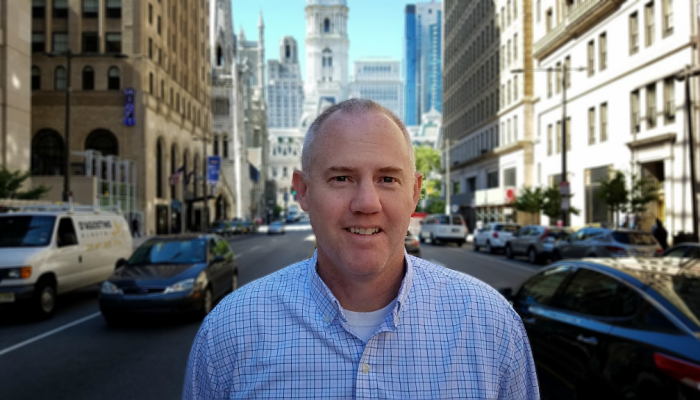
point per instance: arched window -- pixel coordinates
(47, 153)
(113, 79)
(36, 78)
(103, 141)
(60, 78)
(88, 78)
(219, 56)
(159, 169)
(327, 25)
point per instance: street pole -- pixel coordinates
(564, 203)
(66, 145)
(691, 150)
(448, 181)
(205, 196)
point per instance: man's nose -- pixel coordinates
(366, 198)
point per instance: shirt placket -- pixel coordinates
(366, 381)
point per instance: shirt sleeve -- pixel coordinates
(520, 379)
(202, 380)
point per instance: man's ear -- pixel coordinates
(417, 184)
(301, 187)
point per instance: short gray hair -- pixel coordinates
(351, 106)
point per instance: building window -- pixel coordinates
(492, 180)
(515, 47)
(634, 33)
(113, 42)
(591, 125)
(602, 51)
(515, 9)
(88, 78)
(669, 100)
(150, 83)
(549, 20)
(668, 17)
(113, 9)
(549, 139)
(225, 146)
(568, 134)
(91, 42)
(60, 78)
(509, 52)
(509, 92)
(158, 25)
(567, 71)
(113, 79)
(60, 42)
(549, 82)
(596, 210)
(38, 42)
(558, 82)
(591, 58)
(509, 177)
(220, 106)
(603, 122)
(150, 48)
(558, 137)
(90, 8)
(60, 8)
(539, 10)
(47, 153)
(515, 128)
(651, 106)
(515, 87)
(216, 146)
(634, 107)
(284, 172)
(36, 78)
(150, 14)
(326, 25)
(159, 170)
(103, 141)
(38, 8)
(649, 24)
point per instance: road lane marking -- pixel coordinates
(491, 258)
(49, 333)
(254, 248)
(237, 255)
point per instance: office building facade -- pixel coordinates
(379, 80)
(285, 89)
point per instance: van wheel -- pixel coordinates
(421, 238)
(44, 301)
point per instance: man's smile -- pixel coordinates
(364, 231)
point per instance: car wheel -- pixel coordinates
(460, 243)
(476, 245)
(489, 249)
(532, 256)
(113, 320)
(509, 252)
(44, 301)
(234, 281)
(421, 238)
(207, 303)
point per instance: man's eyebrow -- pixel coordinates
(344, 169)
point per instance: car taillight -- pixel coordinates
(616, 251)
(682, 371)
(544, 236)
(495, 235)
(658, 251)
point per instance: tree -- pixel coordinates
(428, 160)
(11, 182)
(436, 206)
(552, 204)
(613, 192)
(642, 192)
(530, 200)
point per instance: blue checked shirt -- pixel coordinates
(450, 336)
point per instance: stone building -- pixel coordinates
(379, 79)
(285, 158)
(285, 89)
(167, 64)
(15, 84)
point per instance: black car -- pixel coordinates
(174, 274)
(687, 250)
(617, 328)
(412, 244)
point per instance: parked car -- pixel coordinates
(614, 328)
(536, 242)
(275, 228)
(173, 274)
(412, 244)
(494, 236)
(222, 228)
(443, 228)
(606, 242)
(687, 250)
(51, 250)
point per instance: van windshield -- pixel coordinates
(26, 231)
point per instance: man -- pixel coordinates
(361, 318)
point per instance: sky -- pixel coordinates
(375, 27)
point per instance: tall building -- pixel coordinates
(228, 129)
(285, 158)
(285, 89)
(624, 109)
(140, 99)
(326, 57)
(487, 119)
(423, 57)
(379, 80)
(15, 85)
(251, 65)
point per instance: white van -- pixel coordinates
(444, 228)
(45, 252)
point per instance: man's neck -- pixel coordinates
(363, 294)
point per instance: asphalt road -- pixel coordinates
(76, 355)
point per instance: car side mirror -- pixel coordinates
(218, 259)
(120, 263)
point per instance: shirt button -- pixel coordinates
(365, 368)
(326, 319)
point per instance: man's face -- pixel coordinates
(360, 193)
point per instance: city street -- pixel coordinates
(76, 355)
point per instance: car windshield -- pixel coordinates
(26, 231)
(635, 238)
(456, 220)
(508, 228)
(170, 252)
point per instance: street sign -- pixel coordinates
(129, 118)
(455, 208)
(175, 204)
(213, 169)
(564, 188)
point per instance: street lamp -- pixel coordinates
(205, 216)
(564, 182)
(685, 75)
(66, 145)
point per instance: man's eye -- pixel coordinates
(388, 179)
(340, 178)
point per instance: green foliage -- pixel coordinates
(621, 195)
(11, 182)
(276, 211)
(530, 200)
(428, 160)
(436, 206)
(552, 204)
(642, 192)
(613, 192)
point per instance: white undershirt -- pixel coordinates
(364, 324)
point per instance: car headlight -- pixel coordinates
(188, 284)
(19, 272)
(110, 288)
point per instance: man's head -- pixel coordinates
(359, 185)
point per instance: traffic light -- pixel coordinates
(294, 192)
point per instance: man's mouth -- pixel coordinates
(364, 231)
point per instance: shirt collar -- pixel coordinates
(328, 305)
